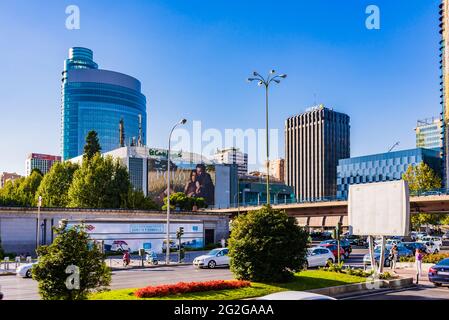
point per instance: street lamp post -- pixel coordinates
(39, 204)
(272, 77)
(167, 249)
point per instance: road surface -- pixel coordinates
(15, 288)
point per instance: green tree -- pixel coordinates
(21, 192)
(100, 183)
(71, 249)
(421, 178)
(92, 145)
(9, 193)
(55, 185)
(267, 245)
(137, 200)
(445, 219)
(183, 202)
(27, 189)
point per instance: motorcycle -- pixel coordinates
(151, 258)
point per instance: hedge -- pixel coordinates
(428, 258)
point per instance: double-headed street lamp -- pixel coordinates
(272, 77)
(167, 250)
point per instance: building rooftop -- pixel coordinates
(392, 154)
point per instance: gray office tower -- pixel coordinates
(314, 142)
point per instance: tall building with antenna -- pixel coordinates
(100, 100)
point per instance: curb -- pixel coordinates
(151, 266)
(361, 288)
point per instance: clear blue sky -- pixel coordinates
(193, 57)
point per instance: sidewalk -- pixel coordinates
(411, 273)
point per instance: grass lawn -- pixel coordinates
(305, 280)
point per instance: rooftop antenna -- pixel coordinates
(122, 132)
(139, 139)
(395, 145)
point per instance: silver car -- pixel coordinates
(215, 257)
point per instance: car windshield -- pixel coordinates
(213, 252)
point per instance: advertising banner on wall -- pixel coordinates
(150, 235)
(195, 180)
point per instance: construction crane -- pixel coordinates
(395, 145)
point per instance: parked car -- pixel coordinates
(402, 252)
(439, 273)
(445, 236)
(412, 246)
(215, 257)
(334, 249)
(356, 240)
(419, 235)
(345, 244)
(320, 236)
(319, 257)
(437, 240)
(24, 270)
(295, 295)
(432, 247)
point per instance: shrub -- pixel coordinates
(186, 287)
(71, 248)
(267, 245)
(335, 267)
(428, 258)
(435, 258)
(385, 276)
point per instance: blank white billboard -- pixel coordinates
(379, 209)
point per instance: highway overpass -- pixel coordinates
(328, 214)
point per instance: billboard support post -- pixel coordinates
(371, 253)
(382, 256)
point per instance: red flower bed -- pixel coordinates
(185, 287)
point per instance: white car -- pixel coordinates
(295, 295)
(319, 257)
(446, 236)
(24, 271)
(437, 240)
(431, 247)
(215, 257)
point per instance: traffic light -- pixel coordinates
(338, 230)
(180, 232)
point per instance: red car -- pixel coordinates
(333, 248)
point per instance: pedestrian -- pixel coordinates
(418, 261)
(393, 257)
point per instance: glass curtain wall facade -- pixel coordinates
(428, 134)
(382, 167)
(95, 99)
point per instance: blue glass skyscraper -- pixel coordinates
(95, 99)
